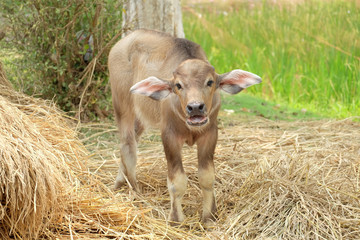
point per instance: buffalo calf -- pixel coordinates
(165, 82)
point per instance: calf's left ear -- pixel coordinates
(152, 87)
(236, 80)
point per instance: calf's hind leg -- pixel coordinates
(128, 146)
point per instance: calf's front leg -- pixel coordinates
(206, 146)
(177, 180)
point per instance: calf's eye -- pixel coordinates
(210, 83)
(178, 85)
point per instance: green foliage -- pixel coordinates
(62, 50)
(308, 54)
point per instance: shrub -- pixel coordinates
(64, 45)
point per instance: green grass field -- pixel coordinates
(307, 54)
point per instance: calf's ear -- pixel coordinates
(236, 80)
(152, 87)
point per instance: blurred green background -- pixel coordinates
(307, 52)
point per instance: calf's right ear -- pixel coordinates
(152, 87)
(236, 80)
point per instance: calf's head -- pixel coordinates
(194, 83)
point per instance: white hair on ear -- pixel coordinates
(152, 87)
(236, 80)
(245, 79)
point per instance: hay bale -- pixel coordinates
(45, 188)
(38, 155)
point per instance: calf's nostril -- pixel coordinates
(201, 107)
(196, 108)
(189, 108)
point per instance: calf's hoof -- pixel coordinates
(119, 183)
(209, 218)
(208, 224)
(175, 218)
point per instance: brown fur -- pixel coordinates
(183, 80)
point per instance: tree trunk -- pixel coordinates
(162, 15)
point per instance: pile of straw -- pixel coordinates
(46, 190)
(31, 179)
(38, 156)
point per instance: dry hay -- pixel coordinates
(288, 180)
(274, 180)
(46, 190)
(301, 182)
(38, 156)
(37, 150)
(3, 79)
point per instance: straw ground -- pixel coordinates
(274, 180)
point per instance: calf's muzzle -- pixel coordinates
(197, 114)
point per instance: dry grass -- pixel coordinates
(3, 79)
(297, 180)
(37, 156)
(46, 190)
(288, 180)
(291, 180)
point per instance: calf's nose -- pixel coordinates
(195, 108)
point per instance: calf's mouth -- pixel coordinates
(197, 120)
